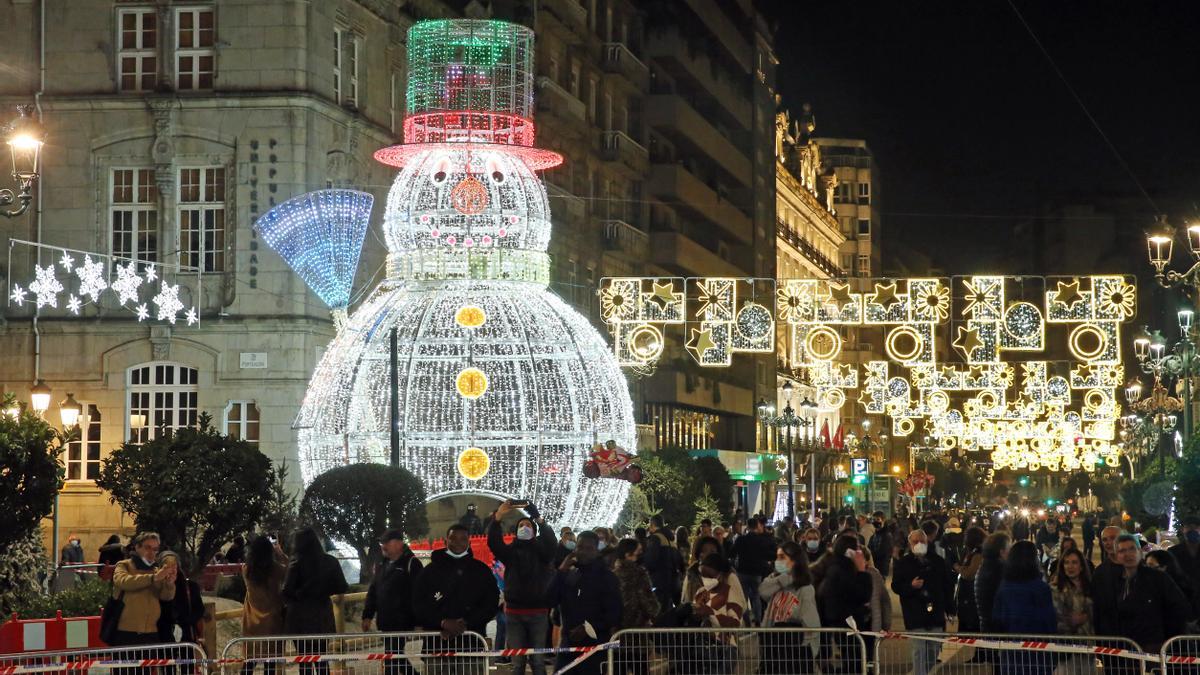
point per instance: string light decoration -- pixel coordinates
(107, 283)
(320, 236)
(1038, 414)
(503, 388)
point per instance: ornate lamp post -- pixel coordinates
(25, 139)
(1160, 244)
(787, 422)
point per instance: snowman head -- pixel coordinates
(463, 199)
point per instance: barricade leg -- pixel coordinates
(924, 653)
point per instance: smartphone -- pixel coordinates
(273, 539)
(518, 503)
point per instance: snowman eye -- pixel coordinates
(439, 177)
(441, 171)
(497, 176)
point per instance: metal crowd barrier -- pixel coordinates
(1181, 654)
(737, 651)
(357, 654)
(177, 658)
(927, 653)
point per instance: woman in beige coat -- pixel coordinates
(262, 610)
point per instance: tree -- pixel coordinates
(636, 512)
(356, 503)
(30, 473)
(706, 507)
(281, 516)
(1187, 481)
(21, 568)
(195, 487)
(715, 478)
(669, 483)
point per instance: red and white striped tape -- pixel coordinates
(1028, 645)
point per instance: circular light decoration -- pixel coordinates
(754, 321)
(1023, 322)
(471, 383)
(833, 398)
(1094, 399)
(469, 197)
(473, 463)
(938, 402)
(553, 385)
(823, 343)
(1087, 341)
(646, 342)
(904, 344)
(470, 316)
(903, 426)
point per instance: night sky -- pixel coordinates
(973, 129)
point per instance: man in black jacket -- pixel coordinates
(1139, 603)
(1187, 551)
(456, 593)
(755, 552)
(662, 560)
(589, 599)
(922, 581)
(390, 597)
(527, 577)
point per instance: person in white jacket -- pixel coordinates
(791, 602)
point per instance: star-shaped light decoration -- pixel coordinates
(700, 342)
(18, 295)
(91, 278)
(66, 261)
(46, 287)
(968, 340)
(127, 283)
(1084, 371)
(151, 274)
(978, 297)
(168, 302)
(73, 304)
(885, 296)
(976, 372)
(1068, 294)
(839, 295)
(142, 312)
(716, 295)
(663, 295)
(192, 317)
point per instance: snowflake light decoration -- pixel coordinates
(150, 274)
(66, 261)
(73, 304)
(127, 283)
(91, 278)
(143, 312)
(46, 287)
(18, 295)
(192, 317)
(168, 302)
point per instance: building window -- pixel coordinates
(137, 58)
(339, 38)
(847, 263)
(83, 453)
(592, 100)
(864, 227)
(202, 218)
(864, 265)
(163, 396)
(573, 85)
(133, 215)
(195, 53)
(352, 50)
(864, 193)
(241, 421)
(841, 193)
(394, 103)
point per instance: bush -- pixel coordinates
(23, 567)
(86, 598)
(31, 475)
(359, 502)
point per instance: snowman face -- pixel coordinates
(467, 199)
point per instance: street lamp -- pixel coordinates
(25, 138)
(1160, 244)
(69, 411)
(39, 397)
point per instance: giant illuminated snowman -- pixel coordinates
(503, 388)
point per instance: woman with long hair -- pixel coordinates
(262, 610)
(1024, 606)
(791, 603)
(971, 560)
(312, 577)
(845, 593)
(1072, 591)
(701, 548)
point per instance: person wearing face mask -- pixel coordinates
(880, 544)
(566, 544)
(143, 586)
(922, 581)
(845, 593)
(639, 608)
(816, 551)
(527, 577)
(454, 594)
(701, 549)
(589, 602)
(1187, 551)
(791, 603)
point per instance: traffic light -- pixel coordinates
(1050, 501)
(1023, 481)
(859, 480)
(849, 499)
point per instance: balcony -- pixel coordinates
(683, 255)
(617, 146)
(570, 13)
(673, 54)
(619, 60)
(808, 250)
(680, 121)
(626, 239)
(677, 185)
(555, 100)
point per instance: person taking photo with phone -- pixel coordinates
(527, 578)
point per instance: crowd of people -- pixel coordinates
(572, 589)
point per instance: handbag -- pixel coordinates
(110, 617)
